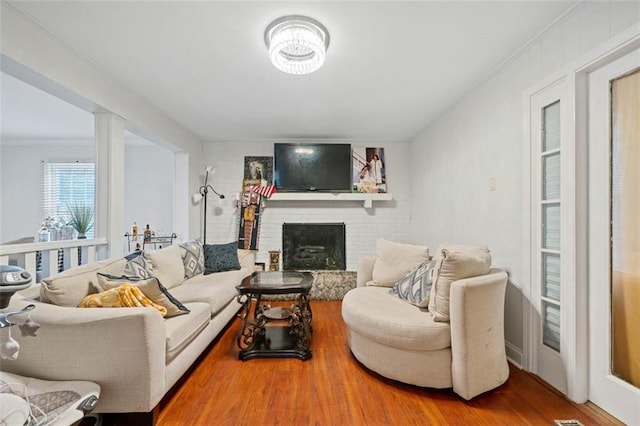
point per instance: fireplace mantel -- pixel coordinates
(367, 199)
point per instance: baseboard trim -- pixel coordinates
(514, 354)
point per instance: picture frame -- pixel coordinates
(259, 266)
(248, 183)
(369, 171)
(274, 260)
(260, 168)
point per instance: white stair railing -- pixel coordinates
(45, 259)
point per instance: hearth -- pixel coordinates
(313, 246)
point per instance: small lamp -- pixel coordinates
(202, 193)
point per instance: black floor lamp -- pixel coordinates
(202, 193)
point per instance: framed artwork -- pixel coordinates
(260, 168)
(248, 183)
(259, 266)
(369, 172)
(274, 260)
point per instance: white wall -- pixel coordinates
(148, 189)
(363, 226)
(21, 183)
(148, 184)
(482, 137)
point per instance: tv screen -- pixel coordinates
(312, 167)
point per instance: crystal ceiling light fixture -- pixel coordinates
(297, 44)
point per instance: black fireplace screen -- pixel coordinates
(313, 246)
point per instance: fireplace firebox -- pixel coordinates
(313, 246)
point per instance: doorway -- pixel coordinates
(614, 237)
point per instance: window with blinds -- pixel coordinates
(66, 184)
(550, 218)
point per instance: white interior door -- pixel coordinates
(550, 277)
(614, 236)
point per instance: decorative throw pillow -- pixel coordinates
(167, 266)
(123, 296)
(69, 287)
(416, 285)
(452, 266)
(221, 257)
(193, 258)
(151, 288)
(394, 261)
(137, 265)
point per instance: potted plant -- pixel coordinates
(81, 219)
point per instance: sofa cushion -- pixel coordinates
(221, 257)
(415, 287)
(394, 261)
(151, 287)
(192, 258)
(71, 286)
(380, 316)
(181, 330)
(137, 266)
(167, 266)
(247, 259)
(455, 263)
(215, 289)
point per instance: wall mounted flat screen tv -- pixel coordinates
(312, 167)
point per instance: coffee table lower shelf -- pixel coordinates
(278, 343)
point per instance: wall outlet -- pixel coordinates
(493, 183)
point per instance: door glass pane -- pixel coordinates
(551, 226)
(551, 276)
(551, 325)
(551, 177)
(550, 221)
(625, 228)
(551, 127)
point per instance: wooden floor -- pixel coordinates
(332, 388)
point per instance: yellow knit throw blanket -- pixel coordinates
(125, 296)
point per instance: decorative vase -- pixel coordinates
(54, 234)
(66, 233)
(82, 236)
(43, 235)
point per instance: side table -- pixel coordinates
(275, 332)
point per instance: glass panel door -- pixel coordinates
(552, 335)
(625, 228)
(614, 236)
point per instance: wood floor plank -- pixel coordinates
(333, 388)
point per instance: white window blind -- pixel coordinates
(65, 184)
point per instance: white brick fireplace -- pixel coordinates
(386, 219)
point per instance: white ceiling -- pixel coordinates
(391, 69)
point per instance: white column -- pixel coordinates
(181, 195)
(109, 217)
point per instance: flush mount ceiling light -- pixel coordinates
(297, 44)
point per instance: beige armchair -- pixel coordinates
(408, 343)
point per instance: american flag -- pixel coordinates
(265, 191)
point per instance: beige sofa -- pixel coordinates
(460, 345)
(134, 354)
